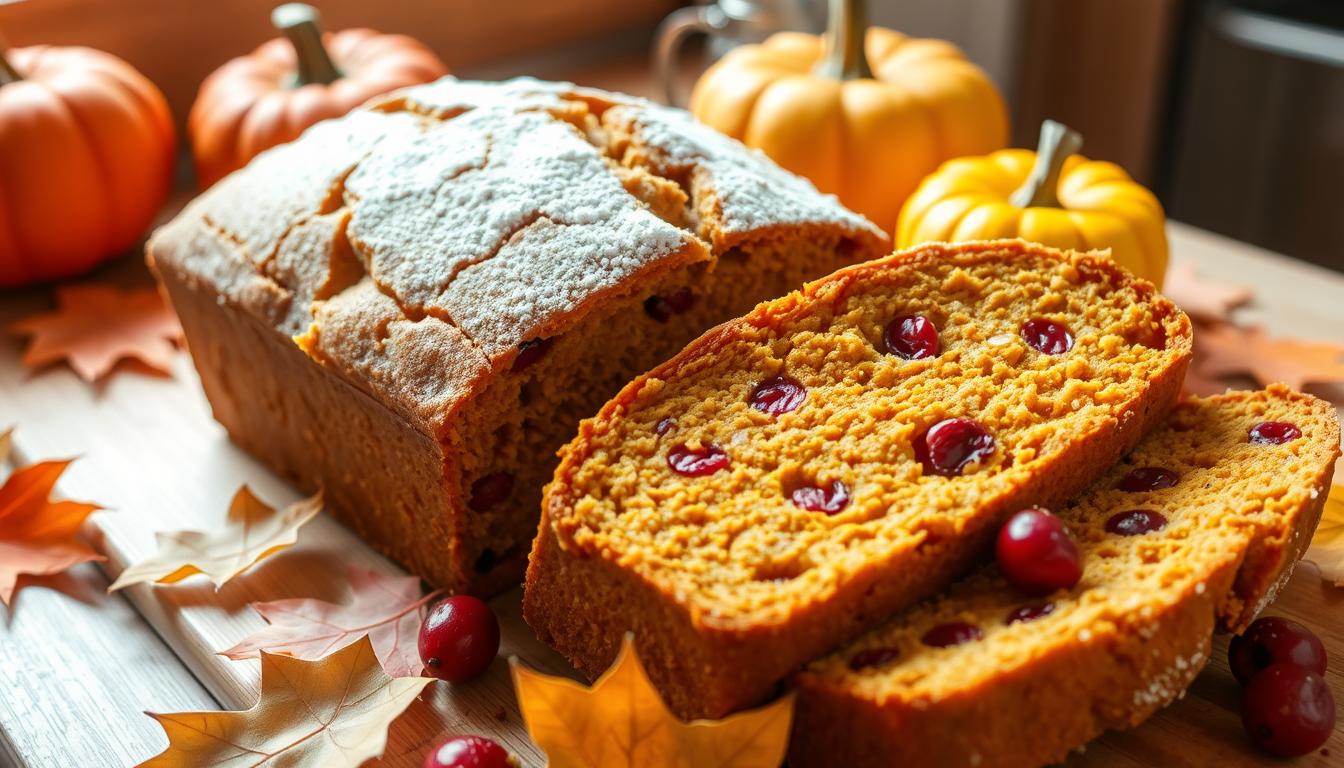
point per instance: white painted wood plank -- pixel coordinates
(76, 670)
(150, 451)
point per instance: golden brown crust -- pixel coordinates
(739, 662)
(1034, 716)
(416, 247)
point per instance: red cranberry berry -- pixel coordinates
(951, 444)
(1287, 710)
(914, 337)
(1036, 553)
(778, 395)
(1271, 640)
(665, 425)
(872, 657)
(490, 490)
(459, 638)
(1029, 613)
(697, 462)
(1274, 433)
(1135, 522)
(1047, 336)
(530, 352)
(816, 499)
(469, 752)
(950, 634)
(662, 308)
(1148, 479)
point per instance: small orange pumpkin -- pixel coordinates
(86, 160)
(271, 95)
(865, 113)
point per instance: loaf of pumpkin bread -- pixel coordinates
(1196, 530)
(414, 305)
(796, 476)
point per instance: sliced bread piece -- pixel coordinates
(794, 477)
(1216, 512)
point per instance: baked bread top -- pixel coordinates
(417, 244)
(774, 464)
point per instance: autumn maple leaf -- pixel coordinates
(386, 608)
(1201, 298)
(37, 535)
(622, 723)
(1222, 350)
(95, 325)
(254, 532)
(333, 713)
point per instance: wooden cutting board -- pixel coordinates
(150, 452)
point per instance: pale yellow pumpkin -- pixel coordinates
(866, 134)
(1052, 196)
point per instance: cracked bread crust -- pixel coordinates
(726, 585)
(415, 247)
(1117, 647)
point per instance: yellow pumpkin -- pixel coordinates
(867, 134)
(1052, 196)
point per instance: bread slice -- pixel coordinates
(728, 581)
(1121, 644)
(414, 305)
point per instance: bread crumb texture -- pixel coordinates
(734, 546)
(492, 261)
(1123, 642)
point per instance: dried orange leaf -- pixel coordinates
(1223, 350)
(622, 723)
(6, 443)
(385, 608)
(1201, 298)
(254, 532)
(333, 713)
(95, 325)
(37, 535)
(1327, 546)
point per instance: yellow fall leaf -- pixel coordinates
(621, 722)
(254, 532)
(1327, 546)
(330, 713)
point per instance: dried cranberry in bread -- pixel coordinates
(468, 270)
(794, 477)
(1047, 674)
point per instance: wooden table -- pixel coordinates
(77, 666)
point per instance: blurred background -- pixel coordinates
(1231, 110)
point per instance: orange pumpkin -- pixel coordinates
(86, 160)
(865, 113)
(271, 95)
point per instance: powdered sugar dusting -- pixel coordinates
(492, 209)
(753, 193)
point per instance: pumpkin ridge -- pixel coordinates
(105, 184)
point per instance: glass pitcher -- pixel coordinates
(728, 23)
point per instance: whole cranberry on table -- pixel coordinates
(459, 638)
(469, 752)
(1036, 553)
(1274, 639)
(1288, 710)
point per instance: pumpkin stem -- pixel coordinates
(1057, 142)
(846, 29)
(299, 23)
(8, 74)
